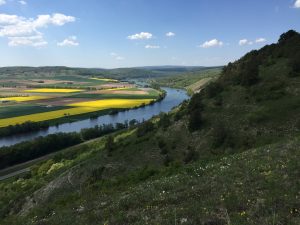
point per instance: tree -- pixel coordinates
(286, 36)
(195, 120)
(144, 128)
(164, 121)
(109, 144)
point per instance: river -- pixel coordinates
(173, 98)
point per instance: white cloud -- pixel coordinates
(17, 26)
(211, 43)
(297, 4)
(2, 2)
(35, 41)
(245, 42)
(23, 2)
(152, 46)
(69, 42)
(116, 56)
(113, 54)
(6, 19)
(260, 40)
(170, 34)
(140, 36)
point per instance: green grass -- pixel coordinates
(238, 187)
(186, 79)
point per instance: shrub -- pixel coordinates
(213, 89)
(145, 128)
(195, 120)
(190, 155)
(109, 145)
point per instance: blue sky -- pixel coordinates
(127, 33)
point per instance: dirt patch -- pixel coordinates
(114, 85)
(61, 101)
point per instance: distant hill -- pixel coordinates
(118, 73)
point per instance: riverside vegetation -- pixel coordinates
(230, 155)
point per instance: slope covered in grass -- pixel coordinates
(228, 156)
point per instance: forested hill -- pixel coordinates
(228, 156)
(256, 99)
(118, 73)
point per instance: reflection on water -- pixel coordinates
(174, 97)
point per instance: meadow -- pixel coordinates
(64, 98)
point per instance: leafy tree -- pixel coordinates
(195, 120)
(164, 121)
(145, 128)
(286, 36)
(109, 144)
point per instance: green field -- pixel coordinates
(20, 110)
(55, 101)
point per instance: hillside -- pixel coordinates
(192, 81)
(228, 156)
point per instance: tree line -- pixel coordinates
(41, 146)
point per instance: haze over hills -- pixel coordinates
(230, 155)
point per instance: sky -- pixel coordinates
(130, 33)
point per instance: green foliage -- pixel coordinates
(33, 149)
(213, 89)
(195, 109)
(23, 128)
(190, 155)
(109, 145)
(145, 128)
(164, 120)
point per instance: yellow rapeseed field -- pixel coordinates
(53, 90)
(78, 108)
(24, 98)
(112, 103)
(38, 117)
(104, 79)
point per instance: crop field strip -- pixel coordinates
(28, 109)
(25, 98)
(77, 109)
(53, 90)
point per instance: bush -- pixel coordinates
(41, 146)
(190, 155)
(195, 120)
(109, 145)
(213, 89)
(145, 128)
(221, 136)
(195, 109)
(164, 120)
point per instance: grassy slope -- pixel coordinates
(184, 80)
(133, 186)
(241, 167)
